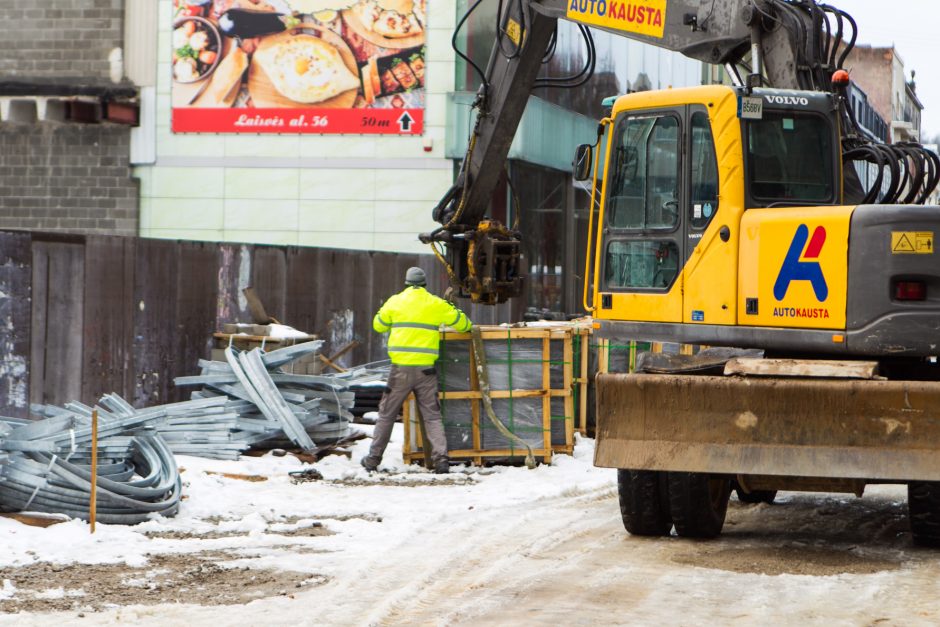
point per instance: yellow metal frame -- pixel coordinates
(575, 373)
(589, 307)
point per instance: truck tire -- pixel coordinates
(644, 505)
(923, 506)
(698, 503)
(754, 496)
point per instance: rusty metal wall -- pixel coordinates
(15, 281)
(81, 316)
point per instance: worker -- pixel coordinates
(414, 317)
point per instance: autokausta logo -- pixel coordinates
(801, 264)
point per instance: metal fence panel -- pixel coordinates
(58, 292)
(154, 306)
(108, 328)
(127, 315)
(15, 281)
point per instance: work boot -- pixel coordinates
(442, 466)
(368, 464)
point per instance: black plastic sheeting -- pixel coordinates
(513, 365)
(522, 416)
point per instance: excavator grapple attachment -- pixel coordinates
(840, 428)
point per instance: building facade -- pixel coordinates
(880, 73)
(538, 192)
(376, 192)
(370, 192)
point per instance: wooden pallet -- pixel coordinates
(309, 364)
(575, 338)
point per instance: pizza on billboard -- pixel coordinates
(298, 66)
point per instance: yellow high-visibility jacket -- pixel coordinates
(414, 317)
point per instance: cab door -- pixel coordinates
(712, 216)
(643, 240)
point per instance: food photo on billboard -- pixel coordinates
(298, 66)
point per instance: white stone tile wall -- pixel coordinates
(347, 191)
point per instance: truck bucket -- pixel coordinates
(798, 427)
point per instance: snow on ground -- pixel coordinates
(365, 513)
(479, 546)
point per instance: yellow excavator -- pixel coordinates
(732, 217)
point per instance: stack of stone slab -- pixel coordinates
(538, 377)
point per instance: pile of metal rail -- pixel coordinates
(266, 406)
(45, 465)
(246, 401)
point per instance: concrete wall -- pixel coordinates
(66, 177)
(356, 192)
(59, 38)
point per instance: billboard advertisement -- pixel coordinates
(298, 66)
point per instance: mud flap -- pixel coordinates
(877, 430)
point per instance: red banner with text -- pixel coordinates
(299, 66)
(369, 121)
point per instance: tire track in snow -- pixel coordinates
(486, 568)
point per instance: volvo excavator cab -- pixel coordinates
(665, 193)
(663, 175)
(721, 220)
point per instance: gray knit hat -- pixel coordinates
(415, 276)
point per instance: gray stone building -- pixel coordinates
(66, 117)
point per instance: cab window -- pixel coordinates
(704, 166)
(644, 188)
(790, 158)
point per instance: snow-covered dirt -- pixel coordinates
(491, 546)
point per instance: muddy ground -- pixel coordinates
(201, 577)
(807, 559)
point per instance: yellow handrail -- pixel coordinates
(587, 256)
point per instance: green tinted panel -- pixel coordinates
(704, 189)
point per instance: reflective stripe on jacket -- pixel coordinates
(414, 318)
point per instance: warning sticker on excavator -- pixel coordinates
(644, 17)
(911, 242)
(514, 31)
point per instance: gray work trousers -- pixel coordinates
(402, 380)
